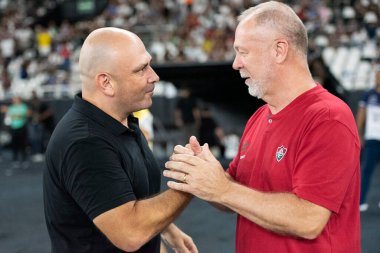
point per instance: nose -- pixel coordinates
(237, 64)
(153, 77)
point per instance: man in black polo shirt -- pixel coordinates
(101, 182)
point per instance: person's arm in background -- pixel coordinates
(3, 109)
(360, 122)
(178, 118)
(197, 115)
(46, 113)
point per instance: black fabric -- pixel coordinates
(94, 164)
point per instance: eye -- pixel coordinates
(241, 53)
(144, 68)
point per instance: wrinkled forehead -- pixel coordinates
(248, 33)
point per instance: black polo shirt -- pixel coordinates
(94, 164)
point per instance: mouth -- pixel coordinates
(246, 79)
(150, 90)
(244, 76)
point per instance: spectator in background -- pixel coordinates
(17, 114)
(231, 144)
(6, 84)
(187, 114)
(24, 69)
(44, 41)
(210, 132)
(7, 48)
(41, 126)
(146, 125)
(368, 122)
(371, 23)
(322, 75)
(64, 50)
(2, 133)
(203, 32)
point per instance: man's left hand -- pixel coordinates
(178, 240)
(201, 175)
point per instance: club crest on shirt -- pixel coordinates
(244, 147)
(281, 151)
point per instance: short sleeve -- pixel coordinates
(233, 166)
(94, 177)
(364, 100)
(327, 162)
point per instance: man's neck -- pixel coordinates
(284, 97)
(125, 122)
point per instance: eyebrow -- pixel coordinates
(141, 66)
(239, 48)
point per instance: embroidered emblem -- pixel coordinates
(244, 147)
(281, 151)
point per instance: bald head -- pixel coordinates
(280, 18)
(101, 50)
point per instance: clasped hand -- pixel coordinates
(196, 171)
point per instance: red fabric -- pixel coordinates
(310, 148)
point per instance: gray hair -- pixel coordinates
(282, 18)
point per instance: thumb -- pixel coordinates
(194, 145)
(206, 153)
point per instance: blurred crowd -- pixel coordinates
(39, 55)
(36, 51)
(25, 130)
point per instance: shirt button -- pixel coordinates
(270, 121)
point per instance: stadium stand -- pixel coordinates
(40, 40)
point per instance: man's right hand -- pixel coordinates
(194, 145)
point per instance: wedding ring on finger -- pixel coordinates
(184, 178)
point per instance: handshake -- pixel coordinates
(196, 171)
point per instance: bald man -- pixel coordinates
(295, 180)
(102, 183)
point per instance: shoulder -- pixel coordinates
(91, 149)
(326, 107)
(256, 118)
(262, 110)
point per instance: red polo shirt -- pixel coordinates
(310, 148)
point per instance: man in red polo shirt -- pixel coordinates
(295, 180)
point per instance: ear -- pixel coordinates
(105, 84)
(281, 49)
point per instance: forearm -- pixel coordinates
(283, 213)
(360, 119)
(133, 224)
(151, 216)
(220, 207)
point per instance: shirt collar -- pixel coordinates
(102, 118)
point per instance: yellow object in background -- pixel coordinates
(146, 125)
